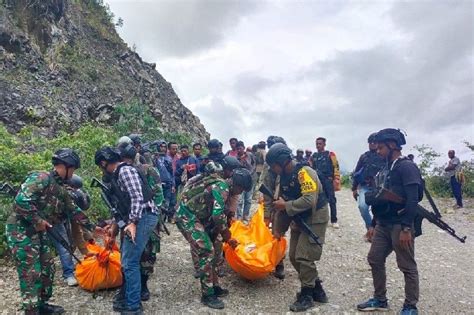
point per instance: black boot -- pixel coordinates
(279, 272)
(220, 292)
(145, 293)
(50, 309)
(212, 301)
(304, 301)
(118, 301)
(318, 293)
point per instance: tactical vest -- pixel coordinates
(322, 164)
(123, 201)
(291, 188)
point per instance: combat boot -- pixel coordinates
(220, 292)
(318, 293)
(145, 293)
(118, 301)
(279, 272)
(212, 301)
(304, 300)
(50, 309)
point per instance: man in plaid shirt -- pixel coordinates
(135, 198)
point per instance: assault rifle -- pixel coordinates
(112, 205)
(423, 213)
(9, 190)
(300, 222)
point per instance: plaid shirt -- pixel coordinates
(129, 181)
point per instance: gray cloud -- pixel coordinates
(179, 28)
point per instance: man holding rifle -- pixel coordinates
(394, 222)
(41, 202)
(301, 200)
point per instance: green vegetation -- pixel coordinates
(29, 150)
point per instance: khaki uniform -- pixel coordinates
(302, 189)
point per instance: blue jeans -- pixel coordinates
(457, 190)
(130, 259)
(363, 207)
(245, 202)
(66, 259)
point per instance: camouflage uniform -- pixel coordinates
(41, 196)
(152, 247)
(201, 218)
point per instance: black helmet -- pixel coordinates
(279, 153)
(214, 143)
(135, 138)
(81, 199)
(75, 181)
(271, 140)
(107, 154)
(241, 177)
(67, 157)
(230, 163)
(371, 138)
(127, 151)
(391, 134)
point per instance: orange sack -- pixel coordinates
(258, 252)
(101, 270)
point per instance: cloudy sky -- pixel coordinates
(302, 69)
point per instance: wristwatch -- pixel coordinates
(406, 229)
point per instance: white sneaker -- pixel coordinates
(71, 281)
(335, 225)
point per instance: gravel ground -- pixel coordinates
(446, 278)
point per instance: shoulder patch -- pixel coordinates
(308, 184)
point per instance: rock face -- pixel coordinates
(63, 64)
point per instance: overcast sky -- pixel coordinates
(302, 69)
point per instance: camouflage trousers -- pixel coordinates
(218, 249)
(34, 264)
(202, 247)
(148, 258)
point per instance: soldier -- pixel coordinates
(394, 222)
(128, 155)
(201, 218)
(327, 167)
(41, 202)
(369, 164)
(272, 182)
(81, 198)
(301, 194)
(138, 211)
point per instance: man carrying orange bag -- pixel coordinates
(301, 195)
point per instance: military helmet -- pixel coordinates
(271, 140)
(127, 151)
(279, 153)
(241, 177)
(230, 163)
(107, 154)
(135, 138)
(212, 167)
(75, 181)
(124, 139)
(391, 134)
(214, 143)
(372, 137)
(67, 157)
(81, 199)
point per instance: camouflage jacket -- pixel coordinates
(43, 196)
(206, 196)
(154, 182)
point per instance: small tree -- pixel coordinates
(426, 156)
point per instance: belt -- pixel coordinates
(147, 210)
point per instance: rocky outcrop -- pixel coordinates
(63, 64)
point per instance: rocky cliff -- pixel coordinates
(63, 64)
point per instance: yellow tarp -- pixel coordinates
(258, 252)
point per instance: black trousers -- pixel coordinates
(331, 196)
